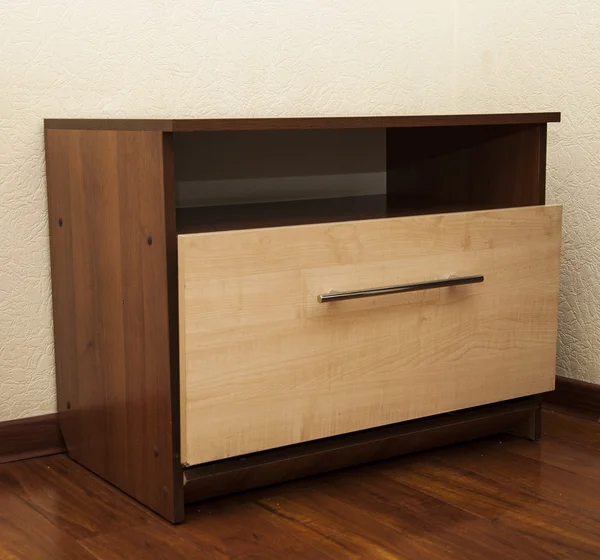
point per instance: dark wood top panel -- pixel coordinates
(301, 123)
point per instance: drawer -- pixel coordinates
(265, 363)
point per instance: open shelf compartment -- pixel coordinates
(229, 180)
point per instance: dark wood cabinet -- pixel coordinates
(195, 354)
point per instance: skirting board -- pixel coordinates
(576, 398)
(28, 438)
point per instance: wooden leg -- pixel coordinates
(531, 427)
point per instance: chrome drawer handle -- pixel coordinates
(400, 289)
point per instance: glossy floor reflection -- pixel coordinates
(497, 498)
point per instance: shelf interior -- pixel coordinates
(299, 212)
(251, 179)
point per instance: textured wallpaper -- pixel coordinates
(243, 58)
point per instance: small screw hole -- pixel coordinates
(149, 240)
(60, 222)
(68, 405)
(155, 451)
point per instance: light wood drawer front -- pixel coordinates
(264, 364)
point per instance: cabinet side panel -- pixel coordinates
(62, 161)
(173, 307)
(109, 235)
(543, 129)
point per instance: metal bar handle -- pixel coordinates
(400, 289)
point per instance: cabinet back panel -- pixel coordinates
(237, 167)
(490, 166)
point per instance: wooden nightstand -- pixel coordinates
(213, 335)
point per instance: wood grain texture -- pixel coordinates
(27, 534)
(502, 497)
(30, 437)
(571, 429)
(264, 365)
(300, 123)
(575, 397)
(148, 540)
(482, 458)
(416, 525)
(109, 243)
(338, 452)
(243, 529)
(551, 530)
(487, 166)
(74, 488)
(571, 456)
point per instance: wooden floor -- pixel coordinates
(499, 498)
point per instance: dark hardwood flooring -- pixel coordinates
(498, 498)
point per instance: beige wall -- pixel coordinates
(133, 58)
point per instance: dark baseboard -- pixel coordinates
(30, 437)
(576, 398)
